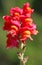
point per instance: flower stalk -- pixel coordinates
(21, 57)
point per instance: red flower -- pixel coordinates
(27, 10)
(19, 25)
(15, 13)
(10, 24)
(26, 21)
(25, 33)
(12, 41)
(7, 23)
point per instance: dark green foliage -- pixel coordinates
(37, 5)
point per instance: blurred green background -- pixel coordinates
(34, 48)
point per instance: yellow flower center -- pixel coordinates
(27, 32)
(28, 19)
(14, 27)
(16, 14)
(28, 8)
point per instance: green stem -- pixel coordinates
(23, 48)
(23, 59)
(21, 54)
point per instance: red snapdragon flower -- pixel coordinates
(27, 10)
(15, 13)
(12, 41)
(19, 25)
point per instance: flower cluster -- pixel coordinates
(19, 25)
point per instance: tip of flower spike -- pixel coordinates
(27, 4)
